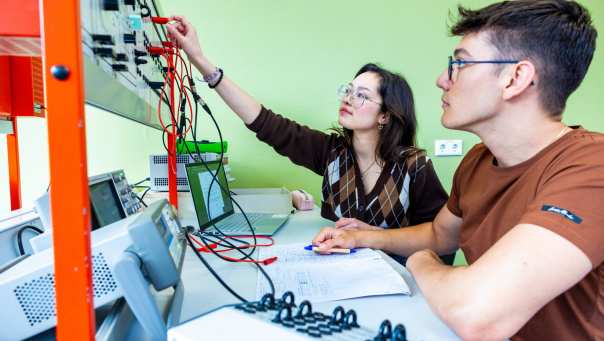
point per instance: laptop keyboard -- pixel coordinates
(236, 224)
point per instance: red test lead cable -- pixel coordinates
(212, 246)
(159, 20)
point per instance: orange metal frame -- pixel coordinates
(172, 171)
(12, 142)
(14, 177)
(69, 199)
(17, 98)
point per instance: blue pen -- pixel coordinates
(333, 250)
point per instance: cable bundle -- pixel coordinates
(186, 125)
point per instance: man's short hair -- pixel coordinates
(557, 36)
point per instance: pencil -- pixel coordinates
(334, 250)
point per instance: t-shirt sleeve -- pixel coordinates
(427, 193)
(303, 146)
(460, 179)
(453, 202)
(570, 201)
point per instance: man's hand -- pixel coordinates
(330, 238)
(353, 224)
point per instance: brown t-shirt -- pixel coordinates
(561, 189)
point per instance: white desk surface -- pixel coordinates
(203, 293)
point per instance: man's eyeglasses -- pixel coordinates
(357, 98)
(460, 63)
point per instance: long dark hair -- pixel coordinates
(397, 137)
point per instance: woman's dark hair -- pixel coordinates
(397, 137)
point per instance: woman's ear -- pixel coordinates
(383, 118)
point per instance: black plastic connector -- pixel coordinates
(183, 105)
(155, 85)
(182, 122)
(145, 11)
(196, 96)
(111, 5)
(119, 67)
(103, 39)
(130, 38)
(121, 57)
(103, 51)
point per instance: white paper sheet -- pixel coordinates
(320, 278)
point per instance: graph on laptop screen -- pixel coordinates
(215, 199)
(211, 194)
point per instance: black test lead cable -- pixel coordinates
(214, 175)
(207, 265)
(206, 108)
(256, 263)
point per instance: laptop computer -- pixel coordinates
(214, 206)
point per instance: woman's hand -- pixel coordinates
(353, 224)
(329, 238)
(184, 35)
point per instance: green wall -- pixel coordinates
(292, 55)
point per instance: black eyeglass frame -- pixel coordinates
(462, 62)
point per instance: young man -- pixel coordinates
(527, 204)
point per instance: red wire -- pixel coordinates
(211, 246)
(214, 245)
(173, 68)
(188, 102)
(266, 261)
(182, 87)
(161, 96)
(272, 242)
(180, 81)
(182, 60)
(165, 128)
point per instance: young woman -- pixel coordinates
(373, 175)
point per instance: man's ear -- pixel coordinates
(519, 79)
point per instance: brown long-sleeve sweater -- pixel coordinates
(407, 191)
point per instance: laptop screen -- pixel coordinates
(211, 204)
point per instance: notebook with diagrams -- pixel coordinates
(214, 207)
